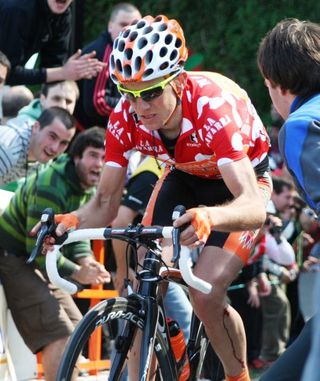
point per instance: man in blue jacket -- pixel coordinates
(289, 61)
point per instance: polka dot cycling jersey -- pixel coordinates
(219, 125)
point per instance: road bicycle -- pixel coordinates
(142, 310)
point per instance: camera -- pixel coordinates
(274, 229)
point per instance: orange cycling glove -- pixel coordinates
(69, 220)
(201, 223)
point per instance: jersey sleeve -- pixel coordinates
(227, 118)
(119, 136)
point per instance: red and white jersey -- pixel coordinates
(219, 125)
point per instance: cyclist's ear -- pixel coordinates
(179, 84)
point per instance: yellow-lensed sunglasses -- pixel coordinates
(148, 94)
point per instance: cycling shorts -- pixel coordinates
(179, 188)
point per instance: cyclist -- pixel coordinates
(207, 132)
(289, 61)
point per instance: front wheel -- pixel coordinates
(126, 312)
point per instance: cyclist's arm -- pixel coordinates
(245, 212)
(103, 207)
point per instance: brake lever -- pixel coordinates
(178, 211)
(48, 227)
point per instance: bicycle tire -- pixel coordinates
(124, 309)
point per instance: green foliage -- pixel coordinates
(226, 33)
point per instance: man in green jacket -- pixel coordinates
(44, 315)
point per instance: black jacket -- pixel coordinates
(99, 95)
(28, 27)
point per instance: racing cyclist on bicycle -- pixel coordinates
(205, 129)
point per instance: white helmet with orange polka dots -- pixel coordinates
(148, 49)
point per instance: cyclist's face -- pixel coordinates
(89, 166)
(154, 113)
(49, 141)
(62, 95)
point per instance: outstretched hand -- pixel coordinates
(82, 66)
(199, 229)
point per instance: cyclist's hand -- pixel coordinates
(65, 222)
(199, 230)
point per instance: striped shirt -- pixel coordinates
(14, 147)
(55, 187)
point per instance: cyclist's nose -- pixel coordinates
(140, 104)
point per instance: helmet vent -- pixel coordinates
(115, 44)
(148, 29)
(119, 66)
(112, 62)
(133, 35)
(126, 33)
(149, 56)
(158, 18)
(121, 45)
(163, 51)
(142, 42)
(147, 73)
(163, 27)
(154, 38)
(128, 53)
(137, 64)
(173, 55)
(164, 65)
(127, 71)
(178, 43)
(168, 39)
(141, 24)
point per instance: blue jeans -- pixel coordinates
(178, 308)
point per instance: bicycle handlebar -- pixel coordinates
(151, 232)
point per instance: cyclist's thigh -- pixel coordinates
(170, 191)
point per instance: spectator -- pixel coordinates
(44, 27)
(289, 61)
(13, 99)
(98, 96)
(280, 265)
(5, 67)
(25, 146)
(62, 94)
(44, 315)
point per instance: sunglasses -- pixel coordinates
(148, 94)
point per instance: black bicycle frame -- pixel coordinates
(152, 311)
